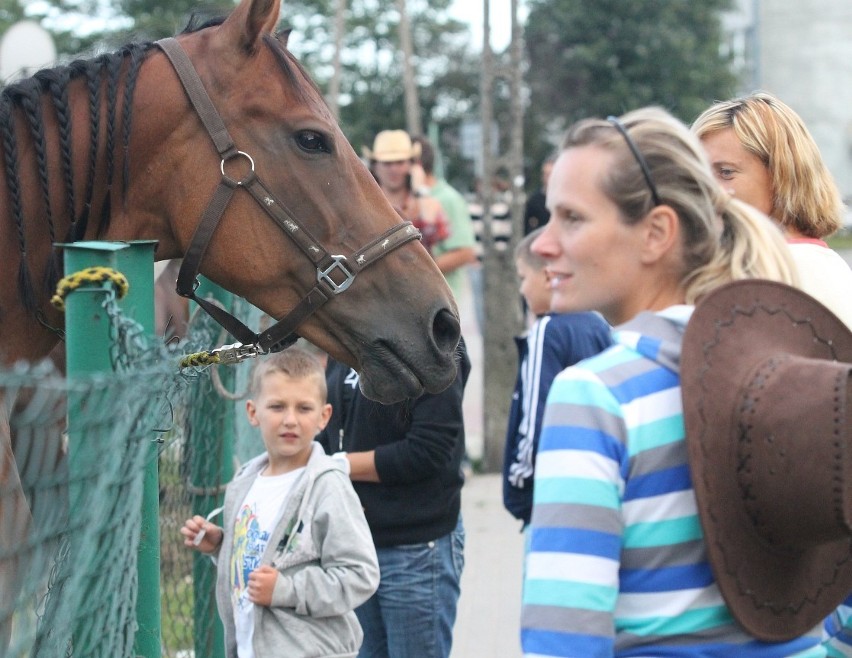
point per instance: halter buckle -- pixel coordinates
(324, 276)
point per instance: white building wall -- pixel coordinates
(806, 60)
(801, 51)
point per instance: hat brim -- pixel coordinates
(392, 156)
(775, 593)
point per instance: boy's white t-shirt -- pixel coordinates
(255, 521)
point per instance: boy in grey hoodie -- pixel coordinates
(294, 553)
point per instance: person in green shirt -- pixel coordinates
(455, 252)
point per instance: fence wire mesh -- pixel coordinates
(214, 438)
(70, 516)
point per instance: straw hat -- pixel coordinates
(392, 146)
(765, 375)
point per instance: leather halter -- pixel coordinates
(283, 333)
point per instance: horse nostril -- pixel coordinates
(446, 330)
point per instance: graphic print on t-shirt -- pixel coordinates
(249, 544)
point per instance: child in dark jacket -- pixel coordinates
(405, 464)
(553, 342)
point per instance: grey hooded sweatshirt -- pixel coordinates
(325, 559)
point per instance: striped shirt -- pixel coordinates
(616, 563)
(838, 631)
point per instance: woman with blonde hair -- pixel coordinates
(616, 562)
(762, 153)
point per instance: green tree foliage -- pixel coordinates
(116, 22)
(156, 19)
(10, 13)
(602, 57)
(371, 86)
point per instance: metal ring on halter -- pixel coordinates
(234, 155)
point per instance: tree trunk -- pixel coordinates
(503, 320)
(413, 122)
(334, 83)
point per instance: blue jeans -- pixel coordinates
(412, 613)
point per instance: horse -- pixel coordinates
(216, 144)
(151, 169)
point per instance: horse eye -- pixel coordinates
(312, 142)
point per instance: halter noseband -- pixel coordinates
(283, 333)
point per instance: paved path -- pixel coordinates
(488, 619)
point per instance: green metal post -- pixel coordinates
(137, 264)
(87, 340)
(88, 351)
(212, 467)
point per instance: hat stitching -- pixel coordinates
(750, 403)
(730, 569)
(837, 476)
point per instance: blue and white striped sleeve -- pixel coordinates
(837, 638)
(572, 563)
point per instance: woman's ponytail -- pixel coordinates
(751, 247)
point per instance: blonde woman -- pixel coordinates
(762, 153)
(616, 563)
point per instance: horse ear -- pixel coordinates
(250, 20)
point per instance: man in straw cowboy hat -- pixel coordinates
(391, 160)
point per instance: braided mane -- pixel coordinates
(21, 104)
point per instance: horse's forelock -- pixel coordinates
(201, 19)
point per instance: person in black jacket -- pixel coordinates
(405, 461)
(536, 213)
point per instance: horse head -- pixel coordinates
(396, 321)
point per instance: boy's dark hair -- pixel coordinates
(294, 362)
(525, 254)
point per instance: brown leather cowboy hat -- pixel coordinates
(765, 375)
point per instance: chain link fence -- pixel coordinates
(70, 515)
(200, 458)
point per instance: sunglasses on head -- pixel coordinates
(643, 165)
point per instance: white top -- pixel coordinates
(825, 276)
(256, 519)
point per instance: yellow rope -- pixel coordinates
(98, 274)
(226, 354)
(199, 359)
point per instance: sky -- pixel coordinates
(470, 12)
(467, 11)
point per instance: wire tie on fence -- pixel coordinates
(206, 492)
(98, 274)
